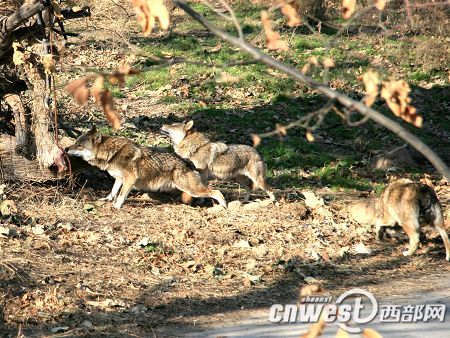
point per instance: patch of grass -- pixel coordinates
(338, 175)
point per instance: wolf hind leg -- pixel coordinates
(412, 229)
(439, 225)
(245, 182)
(114, 190)
(191, 184)
(257, 173)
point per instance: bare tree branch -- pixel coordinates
(344, 100)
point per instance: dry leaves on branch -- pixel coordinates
(102, 97)
(371, 333)
(396, 92)
(107, 103)
(291, 12)
(312, 61)
(380, 4)
(348, 8)
(79, 90)
(148, 11)
(309, 136)
(371, 83)
(316, 329)
(273, 38)
(341, 334)
(256, 140)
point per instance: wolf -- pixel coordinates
(237, 162)
(407, 204)
(143, 169)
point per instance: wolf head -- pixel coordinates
(86, 145)
(177, 131)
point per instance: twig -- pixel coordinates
(327, 91)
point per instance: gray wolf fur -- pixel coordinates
(143, 169)
(237, 162)
(405, 203)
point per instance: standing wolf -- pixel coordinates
(215, 159)
(407, 204)
(140, 168)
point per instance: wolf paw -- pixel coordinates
(107, 198)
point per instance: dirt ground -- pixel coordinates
(73, 266)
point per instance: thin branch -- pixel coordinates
(344, 100)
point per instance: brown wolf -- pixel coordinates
(216, 159)
(143, 169)
(405, 203)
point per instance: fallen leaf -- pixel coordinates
(309, 136)
(348, 8)
(48, 63)
(309, 290)
(328, 62)
(18, 56)
(311, 200)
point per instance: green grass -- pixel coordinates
(262, 98)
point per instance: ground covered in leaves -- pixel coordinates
(73, 266)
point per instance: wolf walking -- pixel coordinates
(143, 169)
(408, 204)
(237, 162)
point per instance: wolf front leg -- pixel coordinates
(114, 190)
(128, 184)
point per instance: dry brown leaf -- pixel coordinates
(371, 333)
(79, 90)
(309, 136)
(97, 88)
(273, 38)
(309, 290)
(341, 334)
(256, 140)
(281, 129)
(396, 92)
(291, 12)
(118, 77)
(148, 11)
(371, 83)
(227, 78)
(57, 10)
(48, 62)
(316, 329)
(348, 8)
(107, 103)
(18, 56)
(328, 62)
(380, 4)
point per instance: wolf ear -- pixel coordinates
(189, 125)
(96, 136)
